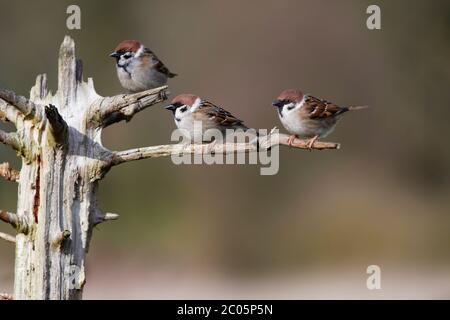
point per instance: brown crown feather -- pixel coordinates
(128, 45)
(185, 99)
(291, 95)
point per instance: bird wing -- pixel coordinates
(315, 108)
(159, 65)
(219, 115)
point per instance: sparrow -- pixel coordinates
(305, 116)
(138, 68)
(189, 108)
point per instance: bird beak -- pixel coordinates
(171, 107)
(114, 55)
(277, 103)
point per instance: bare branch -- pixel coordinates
(7, 237)
(7, 112)
(9, 173)
(9, 217)
(18, 223)
(265, 143)
(10, 139)
(3, 115)
(110, 216)
(6, 296)
(102, 217)
(58, 127)
(25, 106)
(282, 139)
(110, 110)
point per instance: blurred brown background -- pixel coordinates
(225, 231)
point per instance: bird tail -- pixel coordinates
(171, 74)
(354, 108)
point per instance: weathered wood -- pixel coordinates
(102, 217)
(265, 143)
(20, 223)
(8, 113)
(25, 106)
(57, 126)
(64, 159)
(6, 296)
(110, 110)
(9, 173)
(10, 139)
(7, 237)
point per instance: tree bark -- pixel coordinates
(57, 188)
(59, 139)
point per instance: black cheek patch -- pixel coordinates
(280, 109)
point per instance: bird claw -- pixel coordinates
(311, 142)
(291, 140)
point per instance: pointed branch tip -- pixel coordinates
(102, 217)
(111, 216)
(58, 126)
(40, 89)
(7, 237)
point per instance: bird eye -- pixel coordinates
(183, 109)
(127, 55)
(290, 107)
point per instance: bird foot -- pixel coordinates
(311, 143)
(291, 139)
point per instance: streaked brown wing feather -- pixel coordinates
(316, 108)
(159, 65)
(221, 116)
